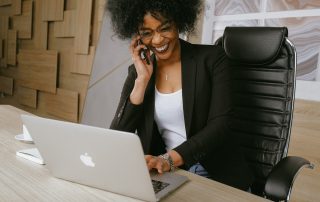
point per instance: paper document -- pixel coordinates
(31, 154)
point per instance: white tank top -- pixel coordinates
(169, 117)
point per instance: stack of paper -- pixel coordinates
(31, 154)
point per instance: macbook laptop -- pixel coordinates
(101, 158)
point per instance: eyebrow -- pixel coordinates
(167, 22)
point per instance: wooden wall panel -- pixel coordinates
(12, 47)
(4, 27)
(42, 35)
(63, 104)
(38, 69)
(67, 27)
(41, 28)
(23, 23)
(39, 40)
(52, 10)
(4, 11)
(97, 19)
(83, 63)
(1, 48)
(27, 97)
(16, 7)
(83, 16)
(6, 85)
(5, 2)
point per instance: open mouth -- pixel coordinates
(162, 49)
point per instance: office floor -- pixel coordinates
(305, 142)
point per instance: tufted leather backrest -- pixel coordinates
(263, 66)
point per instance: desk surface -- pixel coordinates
(305, 142)
(23, 180)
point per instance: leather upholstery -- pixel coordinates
(253, 45)
(263, 73)
(279, 181)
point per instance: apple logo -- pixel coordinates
(87, 160)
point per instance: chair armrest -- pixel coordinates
(280, 180)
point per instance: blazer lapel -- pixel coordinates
(149, 108)
(189, 72)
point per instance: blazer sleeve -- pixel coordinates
(127, 114)
(215, 133)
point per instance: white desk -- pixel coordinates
(23, 180)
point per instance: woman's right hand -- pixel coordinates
(144, 70)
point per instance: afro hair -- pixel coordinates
(127, 15)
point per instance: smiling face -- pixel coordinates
(161, 36)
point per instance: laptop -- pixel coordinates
(102, 158)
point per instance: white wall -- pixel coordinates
(109, 71)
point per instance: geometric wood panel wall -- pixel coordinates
(4, 27)
(82, 62)
(63, 104)
(16, 7)
(38, 69)
(1, 49)
(52, 10)
(40, 33)
(66, 28)
(5, 2)
(27, 97)
(23, 23)
(6, 85)
(12, 47)
(47, 50)
(83, 15)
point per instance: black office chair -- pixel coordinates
(263, 63)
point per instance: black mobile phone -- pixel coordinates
(143, 53)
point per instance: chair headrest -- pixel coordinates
(253, 45)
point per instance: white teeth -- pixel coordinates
(163, 48)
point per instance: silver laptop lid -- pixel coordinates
(97, 157)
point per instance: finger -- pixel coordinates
(134, 49)
(136, 54)
(148, 157)
(150, 161)
(159, 167)
(133, 43)
(151, 164)
(138, 48)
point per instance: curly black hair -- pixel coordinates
(127, 15)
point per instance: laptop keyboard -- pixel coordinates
(158, 186)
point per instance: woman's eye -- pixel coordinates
(165, 29)
(145, 34)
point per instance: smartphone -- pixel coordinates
(143, 53)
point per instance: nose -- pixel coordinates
(157, 38)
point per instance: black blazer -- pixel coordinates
(207, 105)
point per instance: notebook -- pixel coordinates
(102, 158)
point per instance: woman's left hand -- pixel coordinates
(155, 162)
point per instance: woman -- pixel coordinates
(177, 95)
